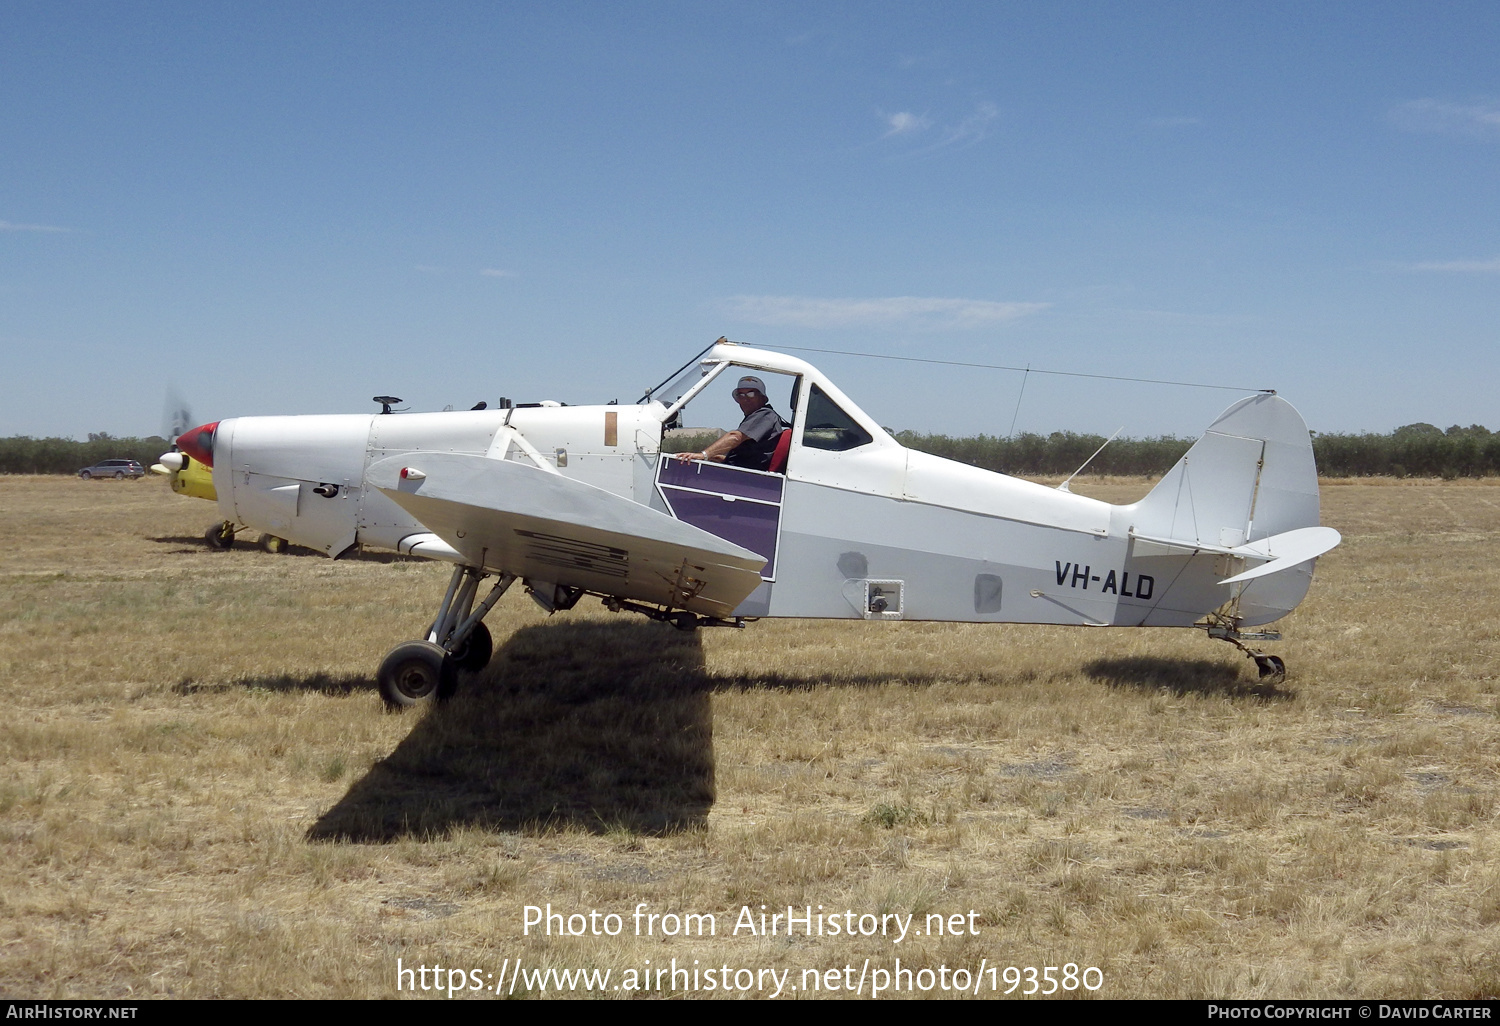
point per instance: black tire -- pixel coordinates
(219, 536)
(119, 475)
(85, 474)
(416, 672)
(274, 545)
(1270, 666)
(474, 654)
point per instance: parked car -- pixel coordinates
(117, 469)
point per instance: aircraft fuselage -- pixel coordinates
(857, 526)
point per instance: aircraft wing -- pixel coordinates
(514, 517)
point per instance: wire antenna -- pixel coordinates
(1013, 416)
(1064, 486)
(1028, 369)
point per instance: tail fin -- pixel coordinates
(1249, 477)
(1246, 483)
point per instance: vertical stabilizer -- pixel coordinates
(1250, 477)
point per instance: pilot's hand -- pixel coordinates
(688, 457)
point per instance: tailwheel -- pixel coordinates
(220, 536)
(1269, 665)
(416, 672)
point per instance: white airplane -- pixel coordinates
(847, 524)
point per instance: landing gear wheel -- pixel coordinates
(273, 544)
(474, 654)
(416, 672)
(1269, 666)
(220, 536)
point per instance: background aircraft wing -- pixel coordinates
(513, 517)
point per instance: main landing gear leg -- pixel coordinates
(417, 671)
(1270, 666)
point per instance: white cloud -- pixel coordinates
(904, 123)
(1482, 266)
(972, 128)
(1480, 119)
(965, 132)
(495, 272)
(8, 226)
(910, 312)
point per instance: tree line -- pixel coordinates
(1414, 450)
(24, 455)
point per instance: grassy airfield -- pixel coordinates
(200, 795)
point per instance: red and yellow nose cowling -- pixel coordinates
(199, 443)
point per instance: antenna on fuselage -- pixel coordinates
(386, 402)
(1064, 486)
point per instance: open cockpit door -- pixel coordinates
(741, 506)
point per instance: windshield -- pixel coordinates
(669, 393)
(679, 381)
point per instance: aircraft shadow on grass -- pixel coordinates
(598, 726)
(194, 544)
(601, 726)
(323, 683)
(1182, 677)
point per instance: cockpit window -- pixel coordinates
(829, 427)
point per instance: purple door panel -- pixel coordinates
(751, 524)
(738, 505)
(721, 479)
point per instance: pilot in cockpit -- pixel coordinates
(751, 444)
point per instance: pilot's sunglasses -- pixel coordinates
(744, 393)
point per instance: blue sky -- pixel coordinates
(289, 208)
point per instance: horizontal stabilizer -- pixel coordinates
(1284, 551)
(510, 516)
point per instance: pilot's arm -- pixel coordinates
(716, 452)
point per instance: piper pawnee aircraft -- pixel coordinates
(848, 523)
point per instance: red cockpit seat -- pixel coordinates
(778, 456)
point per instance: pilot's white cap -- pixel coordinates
(751, 381)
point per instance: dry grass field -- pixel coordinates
(200, 795)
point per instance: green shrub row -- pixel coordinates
(1416, 450)
(1061, 452)
(23, 455)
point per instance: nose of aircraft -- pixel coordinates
(199, 443)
